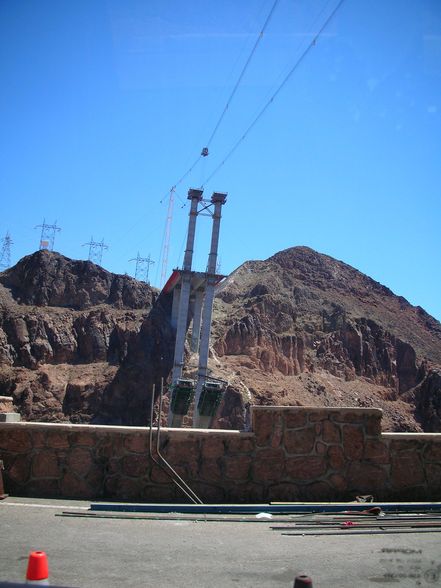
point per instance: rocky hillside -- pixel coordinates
(302, 327)
(81, 344)
(67, 329)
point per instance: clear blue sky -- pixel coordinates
(105, 104)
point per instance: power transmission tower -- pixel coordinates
(142, 267)
(47, 237)
(96, 250)
(5, 253)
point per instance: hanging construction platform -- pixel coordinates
(210, 398)
(182, 395)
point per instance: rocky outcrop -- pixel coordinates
(78, 343)
(426, 398)
(266, 349)
(66, 328)
(48, 279)
(363, 348)
(326, 334)
(149, 360)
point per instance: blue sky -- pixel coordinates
(105, 104)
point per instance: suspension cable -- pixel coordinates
(274, 95)
(242, 73)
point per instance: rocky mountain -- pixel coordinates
(302, 327)
(66, 328)
(81, 344)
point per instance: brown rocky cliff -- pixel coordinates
(325, 334)
(50, 279)
(65, 330)
(78, 343)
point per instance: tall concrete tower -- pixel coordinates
(181, 297)
(218, 199)
(193, 292)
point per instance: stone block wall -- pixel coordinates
(292, 453)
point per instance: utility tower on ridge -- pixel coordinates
(96, 250)
(193, 295)
(47, 237)
(142, 267)
(5, 252)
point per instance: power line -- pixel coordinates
(204, 151)
(182, 178)
(170, 194)
(274, 95)
(242, 73)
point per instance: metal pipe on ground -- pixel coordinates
(362, 532)
(293, 508)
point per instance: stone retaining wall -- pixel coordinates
(292, 453)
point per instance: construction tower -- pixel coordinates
(193, 295)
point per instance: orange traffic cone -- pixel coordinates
(301, 581)
(38, 569)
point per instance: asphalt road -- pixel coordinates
(180, 553)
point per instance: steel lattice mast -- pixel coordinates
(142, 267)
(47, 237)
(5, 252)
(96, 250)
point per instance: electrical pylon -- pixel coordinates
(47, 237)
(142, 267)
(96, 250)
(5, 252)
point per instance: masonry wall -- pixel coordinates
(292, 453)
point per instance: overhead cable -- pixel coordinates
(242, 73)
(204, 151)
(274, 95)
(181, 179)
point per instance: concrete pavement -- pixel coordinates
(179, 553)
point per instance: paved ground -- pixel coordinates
(114, 552)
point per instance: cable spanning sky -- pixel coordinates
(105, 105)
